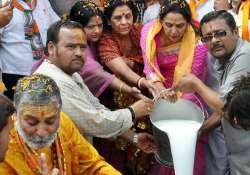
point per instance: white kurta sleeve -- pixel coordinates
(92, 118)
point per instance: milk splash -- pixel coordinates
(182, 136)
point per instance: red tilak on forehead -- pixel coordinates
(40, 112)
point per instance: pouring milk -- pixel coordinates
(182, 136)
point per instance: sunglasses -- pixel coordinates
(216, 34)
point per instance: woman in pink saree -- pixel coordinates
(171, 49)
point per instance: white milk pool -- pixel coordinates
(182, 136)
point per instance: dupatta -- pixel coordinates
(244, 17)
(185, 56)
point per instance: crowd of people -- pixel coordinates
(77, 88)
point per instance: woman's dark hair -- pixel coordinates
(238, 103)
(7, 109)
(111, 5)
(221, 14)
(181, 7)
(178, 6)
(82, 11)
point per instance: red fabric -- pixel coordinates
(110, 46)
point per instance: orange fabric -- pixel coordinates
(245, 18)
(20, 7)
(2, 87)
(110, 46)
(151, 46)
(79, 155)
(194, 5)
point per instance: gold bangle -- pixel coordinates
(157, 81)
(139, 82)
(120, 87)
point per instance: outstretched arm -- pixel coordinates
(190, 83)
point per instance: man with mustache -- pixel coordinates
(66, 47)
(219, 32)
(42, 130)
(6, 124)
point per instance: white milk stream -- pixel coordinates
(182, 136)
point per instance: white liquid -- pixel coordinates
(182, 136)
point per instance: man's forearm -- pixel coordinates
(211, 97)
(212, 122)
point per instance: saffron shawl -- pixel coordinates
(243, 15)
(80, 156)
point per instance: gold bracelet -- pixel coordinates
(157, 81)
(139, 82)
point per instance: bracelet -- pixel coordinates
(120, 87)
(135, 138)
(132, 112)
(157, 81)
(139, 82)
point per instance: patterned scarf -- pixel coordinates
(31, 29)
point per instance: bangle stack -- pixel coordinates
(132, 112)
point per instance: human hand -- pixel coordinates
(142, 107)
(137, 94)
(145, 142)
(211, 123)
(164, 93)
(149, 85)
(44, 166)
(167, 94)
(187, 83)
(6, 14)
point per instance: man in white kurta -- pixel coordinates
(91, 117)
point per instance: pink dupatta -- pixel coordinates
(94, 76)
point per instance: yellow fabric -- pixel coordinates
(185, 56)
(244, 15)
(2, 86)
(193, 4)
(80, 156)
(151, 46)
